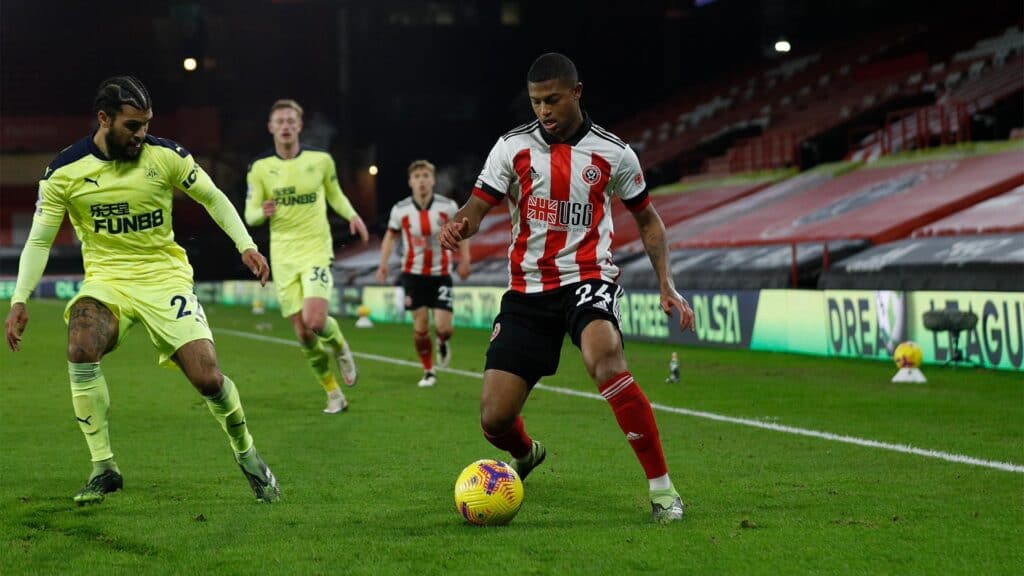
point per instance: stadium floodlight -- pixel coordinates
(782, 45)
(190, 64)
(373, 169)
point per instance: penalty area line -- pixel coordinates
(902, 448)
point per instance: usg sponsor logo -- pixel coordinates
(560, 213)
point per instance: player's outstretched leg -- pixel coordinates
(91, 400)
(226, 407)
(636, 419)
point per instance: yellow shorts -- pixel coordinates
(295, 283)
(171, 313)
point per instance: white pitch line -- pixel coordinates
(902, 448)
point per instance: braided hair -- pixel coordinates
(119, 90)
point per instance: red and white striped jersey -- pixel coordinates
(559, 196)
(422, 253)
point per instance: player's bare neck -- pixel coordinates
(287, 151)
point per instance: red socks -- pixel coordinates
(635, 417)
(515, 440)
(424, 349)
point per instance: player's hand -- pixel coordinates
(382, 274)
(17, 319)
(451, 233)
(671, 299)
(463, 269)
(269, 208)
(255, 262)
(356, 226)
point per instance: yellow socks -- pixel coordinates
(226, 407)
(320, 363)
(91, 400)
(332, 334)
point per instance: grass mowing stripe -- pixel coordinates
(903, 448)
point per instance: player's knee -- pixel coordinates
(208, 382)
(420, 324)
(78, 353)
(303, 333)
(495, 420)
(316, 325)
(604, 368)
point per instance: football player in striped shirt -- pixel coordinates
(426, 267)
(291, 185)
(116, 185)
(559, 174)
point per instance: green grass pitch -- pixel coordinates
(370, 491)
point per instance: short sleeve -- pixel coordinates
(393, 222)
(496, 176)
(628, 181)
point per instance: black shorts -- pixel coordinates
(429, 291)
(528, 332)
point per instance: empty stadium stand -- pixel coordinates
(991, 262)
(878, 204)
(1001, 214)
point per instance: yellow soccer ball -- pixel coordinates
(363, 311)
(488, 493)
(907, 355)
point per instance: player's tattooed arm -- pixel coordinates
(652, 233)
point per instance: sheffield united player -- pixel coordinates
(559, 174)
(426, 266)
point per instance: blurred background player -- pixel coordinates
(291, 185)
(559, 173)
(426, 267)
(117, 186)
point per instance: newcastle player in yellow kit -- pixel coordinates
(116, 186)
(291, 185)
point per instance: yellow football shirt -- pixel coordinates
(301, 187)
(121, 209)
